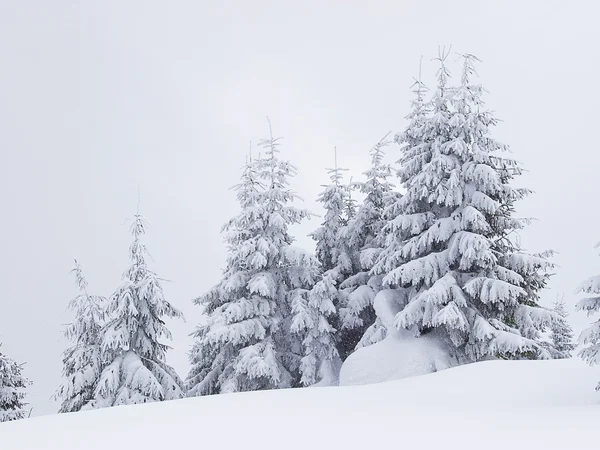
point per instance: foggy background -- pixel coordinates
(98, 97)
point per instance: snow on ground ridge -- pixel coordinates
(496, 404)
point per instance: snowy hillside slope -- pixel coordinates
(491, 405)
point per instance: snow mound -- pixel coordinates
(493, 405)
(399, 355)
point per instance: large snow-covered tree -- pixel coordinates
(266, 327)
(590, 337)
(363, 236)
(82, 362)
(136, 370)
(450, 244)
(12, 390)
(561, 333)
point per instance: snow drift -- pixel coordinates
(492, 405)
(399, 355)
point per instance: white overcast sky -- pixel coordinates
(96, 97)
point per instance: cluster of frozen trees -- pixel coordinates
(439, 228)
(443, 238)
(117, 356)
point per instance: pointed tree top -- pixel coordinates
(469, 61)
(335, 173)
(443, 73)
(80, 280)
(419, 89)
(376, 151)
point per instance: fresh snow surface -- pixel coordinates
(489, 405)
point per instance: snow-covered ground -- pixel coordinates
(488, 405)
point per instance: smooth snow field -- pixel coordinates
(487, 405)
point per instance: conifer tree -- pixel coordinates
(230, 305)
(335, 199)
(590, 337)
(12, 390)
(82, 362)
(256, 335)
(561, 333)
(136, 370)
(449, 247)
(363, 236)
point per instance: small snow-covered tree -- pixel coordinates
(590, 337)
(255, 336)
(362, 234)
(561, 333)
(12, 390)
(338, 259)
(335, 201)
(449, 244)
(136, 370)
(82, 362)
(313, 311)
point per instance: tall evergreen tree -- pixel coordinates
(255, 337)
(82, 362)
(335, 199)
(12, 390)
(136, 370)
(590, 337)
(561, 333)
(363, 235)
(338, 258)
(231, 307)
(448, 245)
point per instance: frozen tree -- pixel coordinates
(561, 333)
(256, 336)
(313, 311)
(590, 337)
(363, 236)
(238, 315)
(12, 390)
(449, 245)
(335, 200)
(82, 362)
(136, 371)
(338, 260)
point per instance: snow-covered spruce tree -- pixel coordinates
(136, 371)
(449, 245)
(335, 201)
(590, 337)
(12, 390)
(561, 333)
(338, 259)
(82, 362)
(363, 235)
(229, 304)
(266, 329)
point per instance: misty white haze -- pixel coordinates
(97, 98)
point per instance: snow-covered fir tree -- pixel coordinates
(12, 390)
(337, 204)
(82, 362)
(561, 333)
(136, 370)
(338, 259)
(590, 337)
(449, 245)
(267, 327)
(362, 235)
